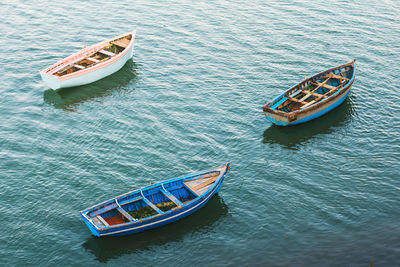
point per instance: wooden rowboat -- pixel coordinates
(154, 205)
(91, 63)
(312, 97)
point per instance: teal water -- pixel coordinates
(326, 193)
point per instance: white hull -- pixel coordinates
(97, 73)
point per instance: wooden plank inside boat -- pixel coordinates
(336, 77)
(197, 184)
(121, 42)
(308, 104)
(125, 214)
(93, 59)
(99, 218)
(79, 66)
(107, 53)
(324, 85)
(150, 204)
(315, 94)
(172, 197)
(315, 89)
(297, 100)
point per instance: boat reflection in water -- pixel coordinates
(293, 137)
(69, 98)
(201, 221)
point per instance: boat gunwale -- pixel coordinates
(86, 52)
(291, 116)
(222, 169)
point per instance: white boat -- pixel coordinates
(91, 63)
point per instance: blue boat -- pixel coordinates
(154, 205)
(312, 97)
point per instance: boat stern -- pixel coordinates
(90, 225)
(276, 117)
(50, 80)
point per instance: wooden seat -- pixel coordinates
(330, 87)
(121, 42)
(335, 76)
(315, 89)
(65, 68)
(308, 104)
(171, 197)
(102, 220)
(148, 202)
(93, 60)
(154, 207)
(107, 53)
(318, 97)
(296, 100)
(206, 182)
(126, 214)
(315, 94)
(79, 67)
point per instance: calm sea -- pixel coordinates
(326, 193)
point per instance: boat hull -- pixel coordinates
(158, 221)
(91, 74)
(313, 112)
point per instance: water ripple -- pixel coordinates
(191, 99)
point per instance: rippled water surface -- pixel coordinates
(323, 193)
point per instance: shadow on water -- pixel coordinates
(293, 136)
(68, 98)
(108, 248)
